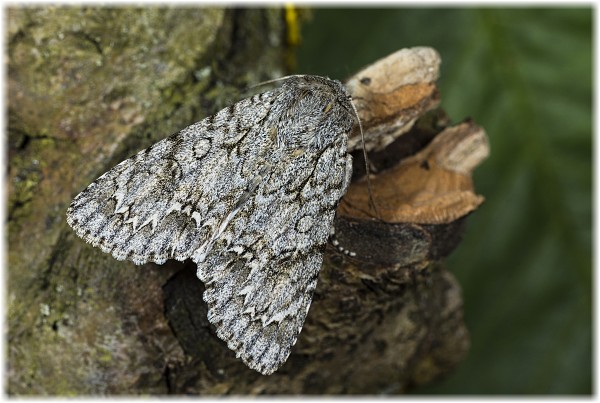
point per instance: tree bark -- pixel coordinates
(89, 87)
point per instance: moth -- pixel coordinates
(249, 194)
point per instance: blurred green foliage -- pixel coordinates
(525, 265)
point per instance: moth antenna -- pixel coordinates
(274, 80)
(367, 170)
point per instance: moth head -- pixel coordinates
(312, 112)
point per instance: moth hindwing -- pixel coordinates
(249, 194)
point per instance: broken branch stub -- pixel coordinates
(422, 183)
(392, 93)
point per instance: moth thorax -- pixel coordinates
(320, 123)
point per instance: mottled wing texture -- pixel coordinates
(249, 194)
(163, 202)
(269, 258)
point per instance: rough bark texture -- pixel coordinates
(89, 87)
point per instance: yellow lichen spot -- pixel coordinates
(104, 356)
(292, 22)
